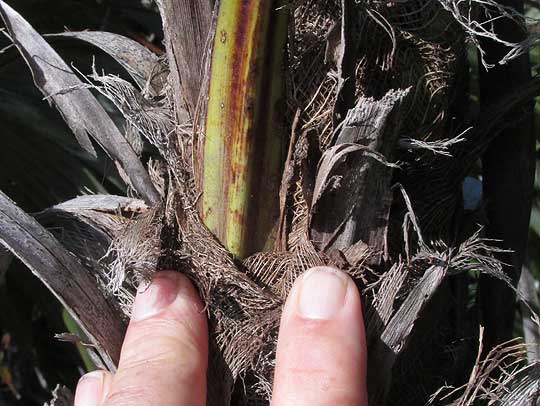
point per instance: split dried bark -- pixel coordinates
(186, 25)
(79, 108)
(63, 274)
(138, 61)
(352, 194)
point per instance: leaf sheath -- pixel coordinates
(243, 143)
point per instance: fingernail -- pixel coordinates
(322, 293)
(89, 389)
(153, 298)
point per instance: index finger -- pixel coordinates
(165, 353)
(321, 352)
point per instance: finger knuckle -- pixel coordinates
(163, 342)
(130, 395)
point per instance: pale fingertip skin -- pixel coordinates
(321, 353)
(165, 352)
(92, 388)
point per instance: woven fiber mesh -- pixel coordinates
(412, 44)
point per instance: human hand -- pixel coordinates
(321, 351)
